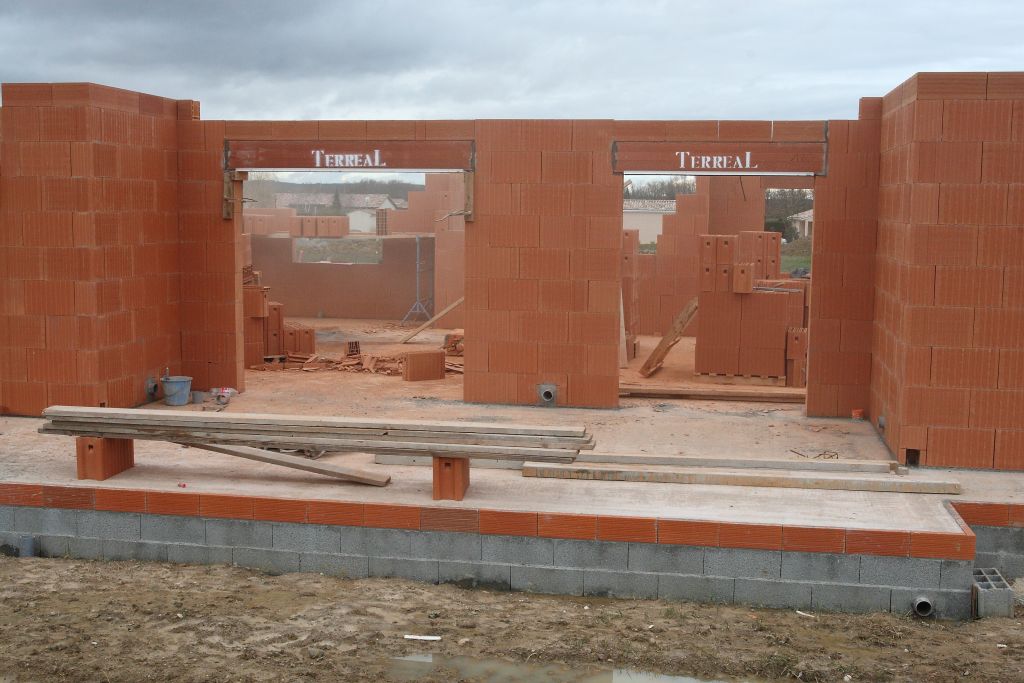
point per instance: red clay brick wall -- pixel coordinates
(543, 264)
(385, 290)
(843, 260)
(949, 360)
(88, 238)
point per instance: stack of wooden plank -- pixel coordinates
(324, 434)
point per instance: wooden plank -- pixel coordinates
(671, 338)
(302, 421)
(395, 435)
(444, 311)
(309, 443)
(720, 393)
(412, 155)
(299, 463)
(848, 481)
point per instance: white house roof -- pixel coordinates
(807, 215)
(649, 205)
(348, 201)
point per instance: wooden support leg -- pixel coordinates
(451, 478)
(101, 458)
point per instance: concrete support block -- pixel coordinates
(239, 533)
(444, 545)
(911, 572)
(307, 538)
(993, 539)
(670, 559)
(198, 554)
(1010, 565)
(715, 589)
(956, 575)
(740, 562)
(7, 517)
(620, 584)
(48, 521)
(388, 542)
(476, 574)
(134, 550)
(120, 526)
(837, 597)
(85, 548)
(821, 567)
(269, 561)
(52, 546)
(992, 595)
(775, 594)
(551, 580)
(517, 550)
(947, 604)
(352, 540)
(346, 566)
(402, 568)
(172, 529)
(591, 554)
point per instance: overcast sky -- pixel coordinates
(521, 58)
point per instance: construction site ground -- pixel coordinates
(80, 620)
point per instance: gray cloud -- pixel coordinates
(526, 58)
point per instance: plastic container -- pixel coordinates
(177, 390)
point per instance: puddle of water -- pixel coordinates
(413, 667)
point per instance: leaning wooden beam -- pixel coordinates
(671, 338)
(298, 463)
(444, 311)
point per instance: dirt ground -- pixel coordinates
(81, 620)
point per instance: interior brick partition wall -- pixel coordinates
(948, 363)
(543, 264)
(89, 245)
(842, 267)
(385, 290)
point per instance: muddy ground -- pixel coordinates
(123, 621)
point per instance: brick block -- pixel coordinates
(102, 458)
(423, 365)
(450, 478)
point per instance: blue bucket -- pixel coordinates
(177, 390)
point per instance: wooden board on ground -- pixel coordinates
(717, 393)
(850, 481)
(670, 339)
(298, 463)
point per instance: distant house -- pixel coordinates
(803, 223)
(645, 215)
(361, 209)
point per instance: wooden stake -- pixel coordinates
(447, 309)
(671, 338)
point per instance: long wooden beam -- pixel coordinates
(671, 338)
(298, 463)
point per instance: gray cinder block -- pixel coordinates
(307, 538)
(993, 596)
(716, 589)
(85, 548)
(946, 604)
(48, 521)
(828, 567)
(351, 540)
(269, 561)
(476, 574)
(121, 526)
(741, 562)
(52, 546)
(620, 584)
(387, 542)
(198, 554)
(1011, 566)
(173, 529)
(239, 533)
(445, 545)
(956, 574)
(6, 518)
(347, 566)
(910, 572)
(404, 568)
(669, 559)
(554, 580)
(517, 550)
(591, 554)
(134, 550)
(993, 539)
(838, 597)
(776, 594)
